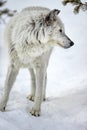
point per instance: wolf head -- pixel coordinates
(53, 31)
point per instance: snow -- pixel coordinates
(66, 105)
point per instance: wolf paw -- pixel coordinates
(35, 112)
(2, 108)
(30, 97)
(2, 105)
(44, 99)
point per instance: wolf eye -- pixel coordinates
(60, 30)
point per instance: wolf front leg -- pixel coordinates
(33, 85)
(10, 78)
(40, 76)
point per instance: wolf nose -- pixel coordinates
(71, 43)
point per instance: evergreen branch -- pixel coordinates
(5, 11)
(78, 5)
(2, 2)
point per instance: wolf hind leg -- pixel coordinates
(10, 79)
(44, 88)
(31, 96)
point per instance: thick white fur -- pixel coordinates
(30, 42)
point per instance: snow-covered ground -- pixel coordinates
(66, 104)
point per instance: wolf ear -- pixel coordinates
(51, 16)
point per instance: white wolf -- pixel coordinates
(30, 36)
